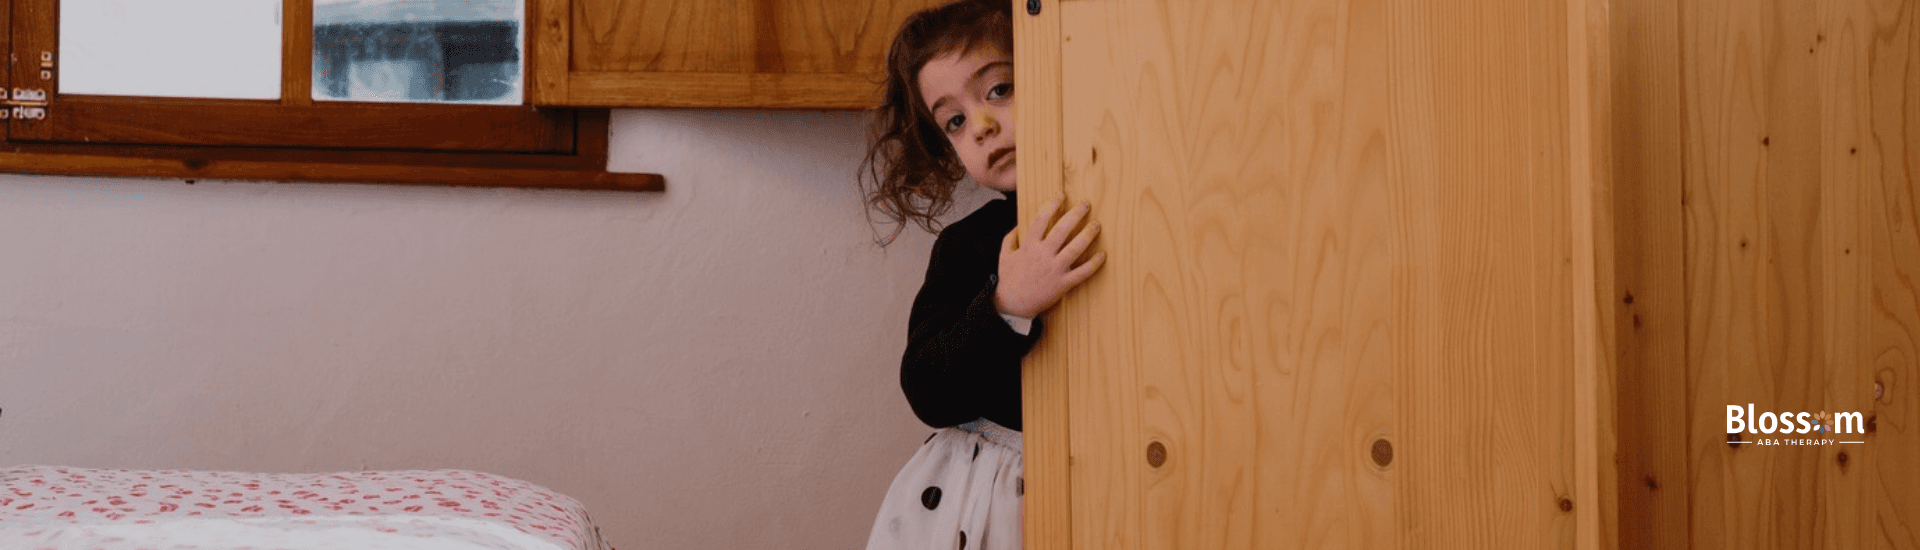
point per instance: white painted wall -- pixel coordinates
(711, 367)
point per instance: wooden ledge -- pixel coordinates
(25, 160)
(583, 168)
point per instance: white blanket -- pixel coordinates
(403, 532)
(63, 508)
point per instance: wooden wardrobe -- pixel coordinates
(1479, 274)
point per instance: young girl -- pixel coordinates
(947, 112)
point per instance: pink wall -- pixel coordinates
(712, 367)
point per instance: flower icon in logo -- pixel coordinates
(1821, 423)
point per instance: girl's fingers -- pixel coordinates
(1058, 234)
(1080, 242)
(1080, 274)
(1046, 215)
(1007, 243)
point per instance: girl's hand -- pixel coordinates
(1037, 268)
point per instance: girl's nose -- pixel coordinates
(988, 125)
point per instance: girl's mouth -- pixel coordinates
(1003, 153)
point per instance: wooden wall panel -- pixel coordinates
(1753, 300)
(1341, 285)
(1594, 276)
(1763, 161)
(1647, 154)
(1847, 248)
(1646, 129)
(1872, 78)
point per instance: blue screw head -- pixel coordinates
(1033, 7)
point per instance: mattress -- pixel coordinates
(60, 508)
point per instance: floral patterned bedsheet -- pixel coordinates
(59, 508)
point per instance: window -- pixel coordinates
(396, 91)
(418, 50)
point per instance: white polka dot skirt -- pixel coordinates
(962, 490)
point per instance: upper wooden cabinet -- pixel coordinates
(787, 54)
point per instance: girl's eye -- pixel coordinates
(1001, 91)
(954, 124)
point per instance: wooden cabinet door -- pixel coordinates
(1351, 299)
(816, 54)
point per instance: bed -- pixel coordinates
(60, 508)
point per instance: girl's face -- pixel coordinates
(971, 98)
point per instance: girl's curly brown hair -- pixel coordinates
(910, 169)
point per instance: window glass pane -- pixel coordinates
(465, 51)
(171, 48)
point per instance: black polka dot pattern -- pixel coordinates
(936, 468)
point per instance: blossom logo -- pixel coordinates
(1787, 423)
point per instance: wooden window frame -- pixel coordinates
(296, 138)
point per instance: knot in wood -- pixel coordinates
(1382, 452)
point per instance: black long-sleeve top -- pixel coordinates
(963, 359)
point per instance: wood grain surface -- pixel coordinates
(584, 167)
(1872, 70)
(722, 90)
(1049, 499)
(735, 36)
(1752, 287)
(414, 126)
(725, 53)
(1341, 294)
(1647, 142)
(291, 168)
(549, 50)
(1764, 162)
(1595, 276)
(296, 52)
